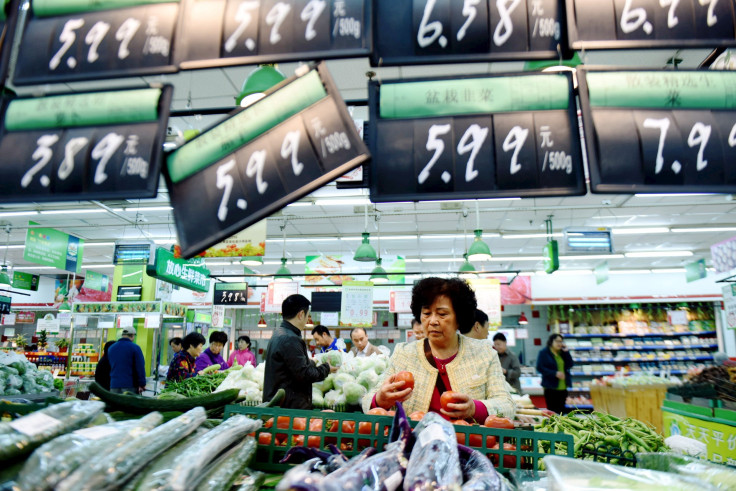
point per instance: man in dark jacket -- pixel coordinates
(288, 366)
(509, 361)
(127, 367)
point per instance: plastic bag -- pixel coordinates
(719, 476)
(434, 462)
(568, 474)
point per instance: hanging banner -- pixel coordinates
(601, 273)
(357, 304)
(649, 24)
(50, 247)
(327, 270)
(277, 293)
(230, 294)
(296, 139)
(659, 131)
(218, 316)
(488, 296)
(179, 272)
(400, 301)
(250, 242)
(229, 32)
(450, 31)
(25, 281)
(695, 270)
(723, 254)
(97, 145)
(474, 137)
(96, 281)
(729, 305)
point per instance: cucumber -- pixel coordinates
(253, 481)
(229, 467)
(143, 405)
(275, 400)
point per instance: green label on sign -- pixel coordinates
(695, 271)
(601, 273)
(50, 247)
(719, 439)
(46, 8)
(179, 271)
(25, 281)
(245, 126)
(474, 96)
(675, 89)
(96, 281)
(93, 109)
(551, 257)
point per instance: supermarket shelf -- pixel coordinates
(578, 406)
(643, 348)
(603, 374)
(579, 389)
(636, 360)
(649, 334)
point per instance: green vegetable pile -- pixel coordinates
(201, 385)
(604, 430)
(20, 376)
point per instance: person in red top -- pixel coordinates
(183, 365)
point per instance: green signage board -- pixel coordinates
(96, 281)
(230, 294)
(551, 257)
(719, 438)
(25, 281)
(696, 270)
(43, 8)
(53, 248)
(179, 271)
(601, 273)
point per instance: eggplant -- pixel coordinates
(303, 477)
(478, 472)
(434, 463)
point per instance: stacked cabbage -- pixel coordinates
(355, 377)
(20, 376)
(247, 379)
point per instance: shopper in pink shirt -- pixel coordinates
(243, 353)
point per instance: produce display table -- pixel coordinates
(713, 426)
(642, 402)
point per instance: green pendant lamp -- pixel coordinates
(283, 274)
(479, 250)
(259, 81)
(251, 260)
(378, 275)
(4, 276)
(366, 252)
(467, 270)
(65, 307)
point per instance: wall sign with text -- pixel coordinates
(229, 294)
(617, 24)
(451, 31)
(474, 137)
(261, 158)
(63, 42)
(244, 32)
(97, 145)
(660, 131)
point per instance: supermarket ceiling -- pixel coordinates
(669, 231)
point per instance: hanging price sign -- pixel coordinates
(660, 132)
(451, 31)
(246, 32)
(230, 294)
(8, 21)
(97, 145)
(67, 40)
(617, 24)
(357, 304)
(474, 137)
(261, 158)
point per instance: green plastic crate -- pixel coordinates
(531, 446)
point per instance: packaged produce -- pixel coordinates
(20, 376)
(253, 481)
(224, 473)
(246, 379)
(22, 436)
(434, 462)
(112, 470)
(478, 473)
(55, 460)
(718, 476)
(354, 392)
(566, 474)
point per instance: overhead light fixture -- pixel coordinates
(65, 307)
(501, 259)
(98, 266)
(4, 276)
(629, 271)
(164, 241)
(641, 230)
(219, 263)
(72, 211)
(659, 254)
(283, 274)
(479, 250)
(98, 244)
(17, 213)
(440, 259)
(365, 252)
(38, 267)
(523, 320)
(593, 256)
(703, 230)
(342, 202)
(259, 81)
(670, 195)
(251, 260)
(669, 270)
(262, 322)
(467, 270)
(530, 236)
(378, 275)
(487, 235)
(149, 208)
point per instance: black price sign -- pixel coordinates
(231, 294)
(5, 304)
(616, 24)
(452, 31)
(241, 32)
(97, 145)
(260, 159)
(8, 19)
(660, 132)
(63, 43)
(480, 137)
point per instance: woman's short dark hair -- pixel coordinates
(552, 338)
(218, 337)
(499, 337)
(244, 338)
(481, 317)
(462, 297)
(192, 339)
(107, 347)
(176, 341)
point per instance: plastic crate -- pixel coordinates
(353, 432)
(608, 454)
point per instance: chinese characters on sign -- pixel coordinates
(179, 271)
(357, 304)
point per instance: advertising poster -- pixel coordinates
(488, 295)
(50, 247)
(328, 270)
(357, 304)
(248, 242)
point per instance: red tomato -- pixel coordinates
(332, 426)
(283, 422)
(314, 442)
(268, 423)
(509, 461)
(406, 377)
(496, 422)
(417, 415)
(460, 436)
(391, 413)
(300, 424)
(297, 441)
(264, 438)
(447, 397)
(315, 425)
(378, 411)
(364, 428)
(460, 422)
(348, 426)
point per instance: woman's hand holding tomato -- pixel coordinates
(397, 388)
(456, 405)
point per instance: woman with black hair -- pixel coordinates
(445, 361)
(184, 363)
(243, 354)
(102, 372)
(554, 363)
(213, 354)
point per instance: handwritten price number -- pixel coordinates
(102, 153)
(699, 136)
(471, 141)
(557, 160)
(345, 26)
(633, 19)
(546, 27)
(93, 39)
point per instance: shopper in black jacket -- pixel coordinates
(554, 363)
(288, 366)
(102, 372)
